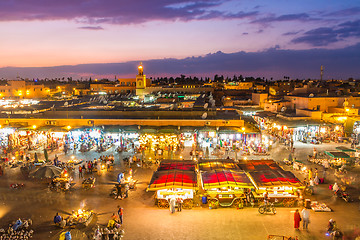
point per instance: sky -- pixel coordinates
(103, 38)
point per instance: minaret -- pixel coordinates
(321, 72)
(140, 81)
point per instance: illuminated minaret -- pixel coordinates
(140, 81)
(321, 72)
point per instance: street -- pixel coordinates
(144, 220)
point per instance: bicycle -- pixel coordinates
(267, 208)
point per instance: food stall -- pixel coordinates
(226, 187)
(80, 217)
(173, 184)
(281, 185)
(337, 159)
(64, 182)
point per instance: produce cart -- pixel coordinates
(88, 183)
(226, 187)
(337, 159)
(173, 184)
(63, 183)
(320, 207)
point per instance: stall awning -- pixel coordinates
(177, 165)
(112, 128)
(225, 178)
(275, 178)
(217, 164)
(345, 149)
(168, 129)
(130, 129)
(337, 154)
(173, 179)
(148, 130)
(258, 165)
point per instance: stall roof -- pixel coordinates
(173, 179)
(186, 165)
(274, 178)
(217, 164)
(337, 154)
(225, 178)
(345, 149)
(258, 165)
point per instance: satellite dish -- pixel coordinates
(66, 104)
(202, 96)
(204, 116)
(105, 102)
(311, 95)
(206, 105)
(283, 109)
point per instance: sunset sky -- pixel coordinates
(45, 33)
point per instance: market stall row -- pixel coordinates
(224, 182)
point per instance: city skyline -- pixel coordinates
(258, 38)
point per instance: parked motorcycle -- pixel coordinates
(267, 208)
(343, 195)
(17, 185)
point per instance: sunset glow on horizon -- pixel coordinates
(110, 31)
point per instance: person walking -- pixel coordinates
(80, 171)
(120, 213)
(297, 219)
(179, 203)
(305, 215)
(172, 204)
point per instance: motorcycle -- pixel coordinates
(333, 231)
(17, 185)
(267, 208)
(343, 195)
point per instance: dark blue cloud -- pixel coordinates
(114, 11)
(291, 33)
(92, 28)
(326, 35)
(285, 17)
(339, 63)
(344, 12)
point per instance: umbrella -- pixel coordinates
(48, 171)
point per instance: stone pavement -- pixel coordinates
(143, 220)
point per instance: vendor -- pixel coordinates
(57, 218)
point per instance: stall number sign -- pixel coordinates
(226, 196)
